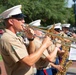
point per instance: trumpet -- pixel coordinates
(50, 33)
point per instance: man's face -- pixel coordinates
(17, 23)
(65, 29)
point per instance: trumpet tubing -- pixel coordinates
(51, 34)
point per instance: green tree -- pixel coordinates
(49, 11)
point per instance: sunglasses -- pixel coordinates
(19, 19)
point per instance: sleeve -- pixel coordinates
(45, 54)
(51, 48)
(19, 52)
(16, 49)
(48, 51)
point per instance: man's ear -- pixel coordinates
(10, 21)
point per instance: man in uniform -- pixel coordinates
(57, 30)
(15, 55)
(44, 64)
(65, 29)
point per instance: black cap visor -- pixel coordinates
(19, 16)
(57, 29)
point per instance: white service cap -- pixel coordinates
(11, 12)
(35, 23)
(66, 25)
(58, 26)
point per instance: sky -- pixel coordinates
(70, 3)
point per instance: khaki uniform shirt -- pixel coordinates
(12, 50)
(42, 63)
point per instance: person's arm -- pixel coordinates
(31, 47)
(32, 58)
(51, 57)
(58, 67)
(58, 44)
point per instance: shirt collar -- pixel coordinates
(11, 33)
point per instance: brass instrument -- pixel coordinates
(51, 34)
(56, 35)
(64, 63)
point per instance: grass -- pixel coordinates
(0, 58)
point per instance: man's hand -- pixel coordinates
(47, 41)
(61, 52)
(59, 68)
(58, 44)
(29, 33)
